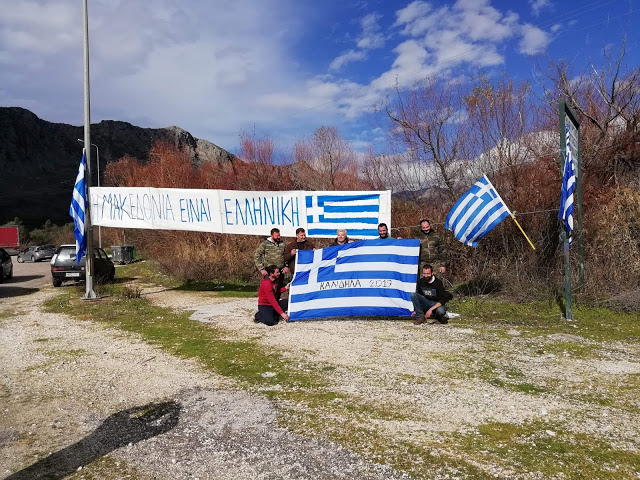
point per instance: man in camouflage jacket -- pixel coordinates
(432, 248)
(271, 252)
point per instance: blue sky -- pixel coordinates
(282, 67)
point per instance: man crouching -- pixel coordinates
(430, 295)
(268, 307)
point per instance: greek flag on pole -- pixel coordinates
(358, 214)
(367, 277)
(76, 210)
(476, 213)
(568, 186)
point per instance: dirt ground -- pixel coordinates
(74, 392)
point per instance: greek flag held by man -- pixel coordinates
(367, 277)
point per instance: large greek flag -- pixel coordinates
(76, 210)
(367, 277)
(568, 186)
(476, 213)
(360, 214)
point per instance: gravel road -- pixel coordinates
(73, 392)
(27, 278)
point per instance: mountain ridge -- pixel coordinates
(39, 159)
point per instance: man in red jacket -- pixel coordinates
(268, 307)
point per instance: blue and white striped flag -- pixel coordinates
(76, 210)
(476, 213)
(358, 214)
(568, 186)
(367, 277)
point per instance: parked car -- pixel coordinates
(6, 270)
(64, 266)
(34, 254)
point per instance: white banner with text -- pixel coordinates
(242, 212)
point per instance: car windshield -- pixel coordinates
(67, 253)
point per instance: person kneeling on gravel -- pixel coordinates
(429, 298)
(268, 307)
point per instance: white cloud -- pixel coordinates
(534, 40)
(415, 17)
(538, 5)
(482, 22)
(347, 57)
(214, 71)
(371, 37)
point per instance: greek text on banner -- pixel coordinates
(241, 212)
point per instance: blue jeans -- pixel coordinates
(421, 304)
(268, 315)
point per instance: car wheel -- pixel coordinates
(20, 259)
(10, 272)
(112, 276)
(1, 274)
(33, 259)
(56, 282)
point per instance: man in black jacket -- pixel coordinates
(429, 298)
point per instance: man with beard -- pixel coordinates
(271, 252)
(383, 231)
(268, 306)
(300, 243)
(429, 299)
(432, 248)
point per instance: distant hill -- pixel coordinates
(39, 160)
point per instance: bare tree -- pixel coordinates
(502, 123)
(607, 99)
(429, 124)
(330, 157)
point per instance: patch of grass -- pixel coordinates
(572, 349)
(245, 361)
(146, 271)
(617, 391)
(539, 318)
(501, 374)
(372, 441)
(55, 356)
(107, 467)
(213, 286)
(546, 448)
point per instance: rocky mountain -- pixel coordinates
(39, 159)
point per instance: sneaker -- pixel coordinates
(419, 321)
(255, 318)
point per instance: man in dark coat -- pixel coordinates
(429, 298)
(300, 243)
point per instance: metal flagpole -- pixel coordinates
(566, 258)
(89, 293)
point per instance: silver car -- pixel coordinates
(34, 254)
